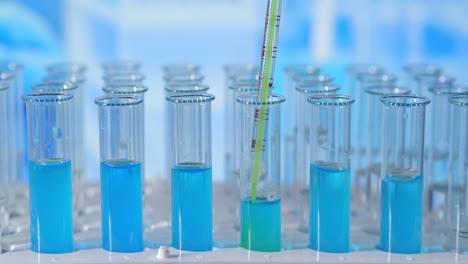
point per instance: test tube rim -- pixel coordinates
(191, 67)
(204, 87)
(12, 65)
(131, 100)
(6, 75)
(244, 87)
(448, 89)
(303, 68)
(333, 88)
(111, 77)
(135, 65)
(194, 77)
(133, 88)
(412, 68)
(454, 99)
(241, 67)
(321, 78)
(322, 100)
(387, 100)
(352, 68)
(36, 97)
(74, 66)
(66, 86)
(4, 86)
(447, 79)
(372, 89)
(382, 77)
(202, 98)
(78, 79)
(244, 78)
(252, 99)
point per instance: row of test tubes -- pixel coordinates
(361, 168)
(364, 168)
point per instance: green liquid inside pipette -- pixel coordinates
(270, 43)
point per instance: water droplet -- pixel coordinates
(53, 259)
(267, 256)
(200, 257)
(126, 257)
(409, 258)
(341, 258)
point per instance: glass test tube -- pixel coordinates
(330, 184)
(4, 153)
(358, 175)
(458, 175)
(128, 89)
(438, 134)
(8, 77)
(371, 121)
(181, 78)
(121, 172)
(18, 126)
(353, 70)
(67, 67)
(121, 66)
(76, 119)
(237, 86)
(402, 173)
(116, 78)
(179, 68)
(50, 163)
(425, 81)
(233, 70)
(413, 69)
(301, 159)
(261, 217)
(178, 88)
(190, 137)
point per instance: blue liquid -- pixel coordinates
(401, 214)
(122, 206)
(192, 227)
(50, 199)
(329, 208)
(261, 225)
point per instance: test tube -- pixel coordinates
(5, 193)
(235, 70)
(190, 137)
(18, 126)
(413, 69)
(180, 68)
(438, 134)
(238, 86)
(125, 89)
(121, 172)
(121, 66)
(371, 121)
(353, 70)
(301, 159)
(330, 184)
(360, 135)
(50, 180)
(402, 173)
(458, 175)
(261, 215)
(67, 67)
(75, 122)
(183, 78)
(427, 80)
(126, 78)
(8, 77)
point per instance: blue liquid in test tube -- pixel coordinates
(191, 207)
(50, 197)
(401, 218)
(121, 187)
(329, 208)
(261, 224)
